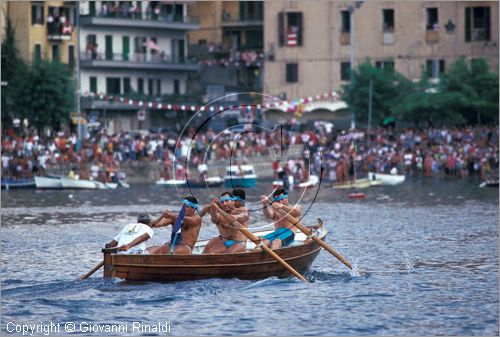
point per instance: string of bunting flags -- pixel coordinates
(295, 106)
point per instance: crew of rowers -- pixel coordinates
(228, 213)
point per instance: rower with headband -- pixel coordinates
(230, 239)
(284, 233)
(185, 228)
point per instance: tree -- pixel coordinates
(42, 93)
(50, 98)
(477, 89)
(427, 103)
(387, 88)
(13, 71)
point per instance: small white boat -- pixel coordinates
(48, 182)
(240, 176)
(312, 181)
(171, 183)
(79, 184)
(387, 179)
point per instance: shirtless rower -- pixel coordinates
(183, 240)
(230, 239)
(285, 230)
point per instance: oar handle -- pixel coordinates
(93, 270)
(257, 241)
(308, 231)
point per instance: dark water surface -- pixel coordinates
(425, 252)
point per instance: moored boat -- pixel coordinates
(171, 183)
(10, 183)
(311, 182)
(78, 184)
(49, 182)
(489, 183)
(240, 176)
(250, 265)
(208, 182)
(359, 183)
(387, 179)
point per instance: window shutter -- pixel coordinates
(468, 24)
(281, 29)
(300, 30)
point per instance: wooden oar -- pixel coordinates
(308, 231)
(93, 270)
(257, 241)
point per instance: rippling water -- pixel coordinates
(425, 254)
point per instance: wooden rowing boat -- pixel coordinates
(250, 265)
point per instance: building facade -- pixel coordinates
(43, 29)
(133, 52)
(308, 52)
(228, 45)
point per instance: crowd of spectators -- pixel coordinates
(318, 149)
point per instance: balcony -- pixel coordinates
(136, 61)
(388, 38)
(345, 38)
(250, 22)
(141, 20)
(432, 36)
(57, 32)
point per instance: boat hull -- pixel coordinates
(48, 183)
(387, 179)
(8, 183)
(231, 182)
(251, 265)
(78, 184)
(360, 183)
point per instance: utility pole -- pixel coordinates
(370, 99)
(78, 78)
(353, 5)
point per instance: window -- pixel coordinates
(55, 53)
(140, 85)
(113, 86)
(93, 84)
(92, 10)
(387, 65)
(37, 55)
(71, 56)
(435, 67)
(177, 90)
(158, 87)
(477, 24)
(388, 17)
(432, 19)
(37, 13)
(150, 87)
(345, 22)
(292, 72)
(108, 47)
(290, 29)
(126, 85)
(345, 71)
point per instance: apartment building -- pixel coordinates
(133, 49)
(43, 29)
(308, 49)
(229, 45)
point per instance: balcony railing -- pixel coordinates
(432, 36)
(148, 15)
(139, 61)
(133, 57)
(59, 32)
(345, 38)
